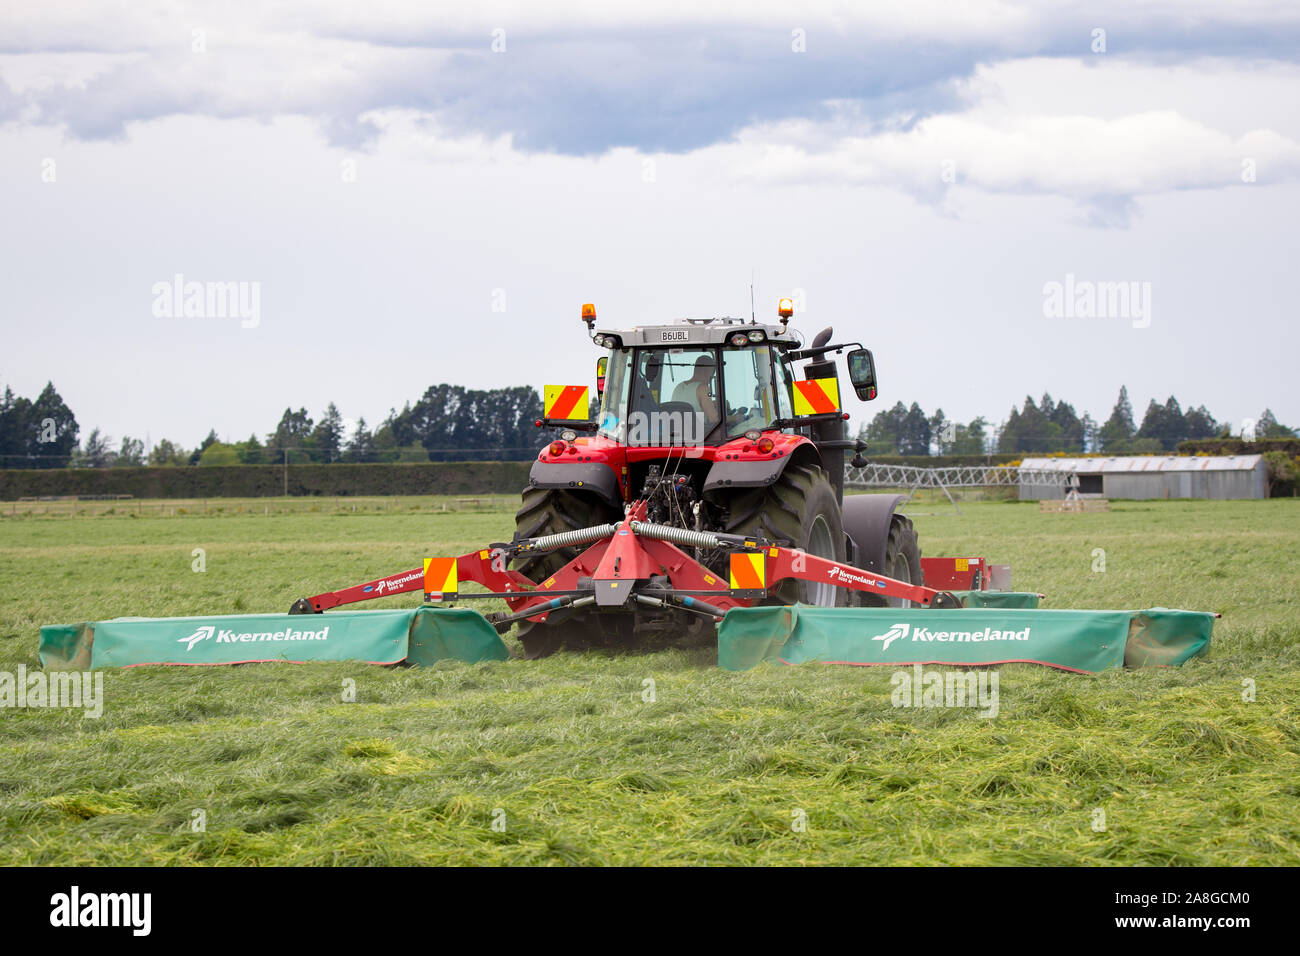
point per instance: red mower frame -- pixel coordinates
(631, 562)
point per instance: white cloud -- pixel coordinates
(1101, 161)
(1076, 156)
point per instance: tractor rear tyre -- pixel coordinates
(799, 510)
(551, 511)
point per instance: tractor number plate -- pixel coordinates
(675, 336)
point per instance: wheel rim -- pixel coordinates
(901, 571)
(821, 544)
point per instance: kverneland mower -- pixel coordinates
(705, 498)
(711, 480)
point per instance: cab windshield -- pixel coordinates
(668, 397)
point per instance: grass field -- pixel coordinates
(718, 769)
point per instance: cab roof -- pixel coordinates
(686, 332)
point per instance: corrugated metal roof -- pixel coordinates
(1145, 463)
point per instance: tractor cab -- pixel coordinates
(708, 382)
(699, 392)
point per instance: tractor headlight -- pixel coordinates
(758, 335)
(753, 434)
(568, 434)
(740, 339)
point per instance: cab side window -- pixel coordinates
(784, 386)
(757, 395)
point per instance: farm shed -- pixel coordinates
(1151, 476)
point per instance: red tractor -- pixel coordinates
(711, 480)
(705, 424)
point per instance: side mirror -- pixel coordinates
(601, 364)
(862, 373)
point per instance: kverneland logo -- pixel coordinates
(202, 634)
(840, 574)
(902, 631)
(891, 635)
(227, 636)
(389, 584)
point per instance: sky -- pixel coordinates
(999, 199)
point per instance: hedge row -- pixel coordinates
(258, 481)
(1235, 446)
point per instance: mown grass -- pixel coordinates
(581, 769)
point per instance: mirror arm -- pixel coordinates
(801, 354)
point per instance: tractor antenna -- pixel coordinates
(753, 316)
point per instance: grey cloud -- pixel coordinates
(573, 96)
(583, 92)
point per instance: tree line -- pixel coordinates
(454, 423)
(1046, 426)
(447, 423)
